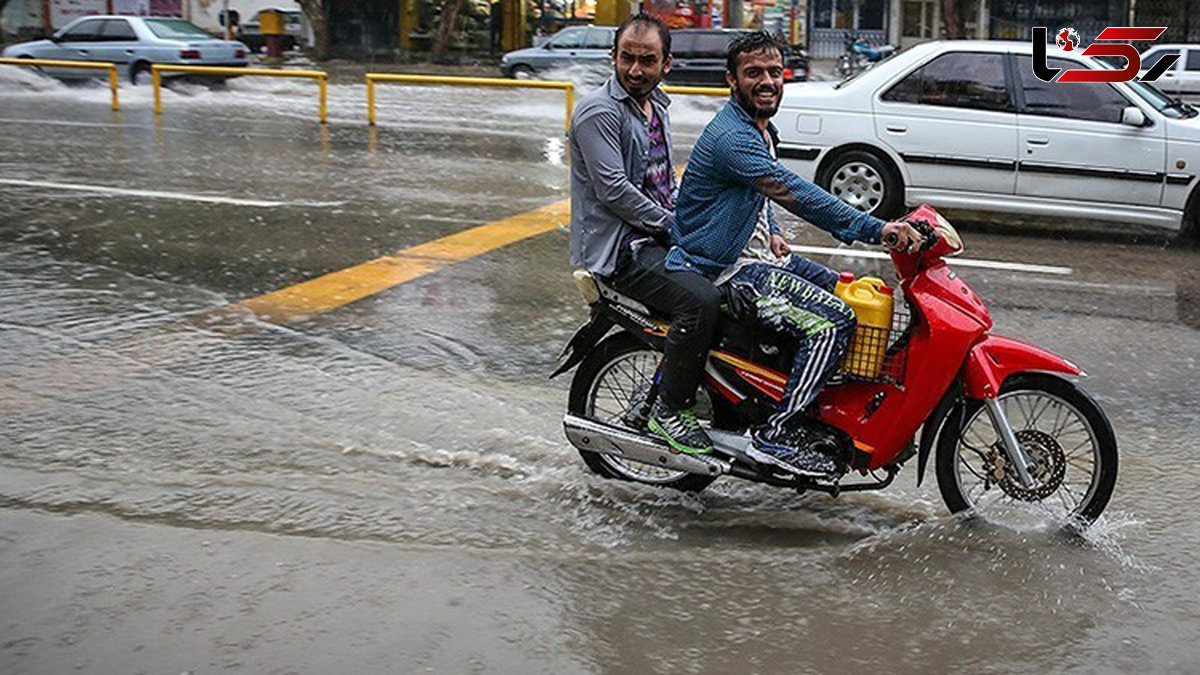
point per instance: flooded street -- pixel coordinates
(384, 486)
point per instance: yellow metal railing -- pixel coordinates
(95, 65)
(157, 70)
(372, 78)
(695, 91)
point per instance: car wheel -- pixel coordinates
(139, 73)
(866, 181)
(1189, 229)
(522, 72)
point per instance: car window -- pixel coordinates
(1096, 101)
(957, 80)
(681, 45)
(1193, 59)
(711, 45)
(117, 29)
(175, 29)
(568, 39)
(86, 31)
(599, 39)
(1155, 56)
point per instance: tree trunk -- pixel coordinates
(446, 25)
(2, 4)
(952, 22)
(314, 11)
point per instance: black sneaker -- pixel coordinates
(680, 430)
(791, 452)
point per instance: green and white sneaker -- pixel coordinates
(680, 430)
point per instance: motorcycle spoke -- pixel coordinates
(1036, 414)
(1059, 428)
(618, 393)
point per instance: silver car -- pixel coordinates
(586, 46)
(132, 42)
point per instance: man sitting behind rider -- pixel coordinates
(622, 201)
(725, 229)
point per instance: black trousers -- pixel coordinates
(691, 302)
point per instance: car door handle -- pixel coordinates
(1037, 140)
(897, 128)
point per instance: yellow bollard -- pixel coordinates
(112, 84)
(321, 84)
(370, 100)
(570, 108)
(156, 79)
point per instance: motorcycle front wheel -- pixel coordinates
(613, 380)
(1070, 442)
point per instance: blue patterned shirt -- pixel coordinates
(719, 200)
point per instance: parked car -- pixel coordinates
(698, 57)
(1183, 77)
(132, 42)
(587, 46)
(250, 32)
(966, 126)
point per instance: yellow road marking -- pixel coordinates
(102, 365)
(343, 287)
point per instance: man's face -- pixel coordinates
(639, 61)
(758, 83)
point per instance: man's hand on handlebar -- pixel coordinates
(780, 247)
(900, 236)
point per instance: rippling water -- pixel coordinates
(416, 432)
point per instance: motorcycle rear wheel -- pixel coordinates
(605, 387)
(1068, 435)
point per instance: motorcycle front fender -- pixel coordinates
(994, 359)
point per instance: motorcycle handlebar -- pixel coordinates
(928, 235)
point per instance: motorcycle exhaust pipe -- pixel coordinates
(605, 439)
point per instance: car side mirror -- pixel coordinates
(1133, 116)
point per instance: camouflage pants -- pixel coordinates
(796, 299)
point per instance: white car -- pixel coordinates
(967, 127)
(132, 42)
(1183, 77)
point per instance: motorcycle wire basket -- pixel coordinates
(878, 354)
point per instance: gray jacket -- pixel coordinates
(610, 147)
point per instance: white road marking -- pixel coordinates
(959, 262)
(155, 194)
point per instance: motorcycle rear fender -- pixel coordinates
(584, 339)
(994, 359)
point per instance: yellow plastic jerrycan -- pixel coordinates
(873, 304)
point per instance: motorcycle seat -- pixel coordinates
(593, 289)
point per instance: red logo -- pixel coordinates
(1068, 40)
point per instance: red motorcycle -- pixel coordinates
(1010, 430)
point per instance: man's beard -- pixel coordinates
(640, 88)
(762, 113)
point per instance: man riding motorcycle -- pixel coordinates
(725, 229)
(622, 200)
